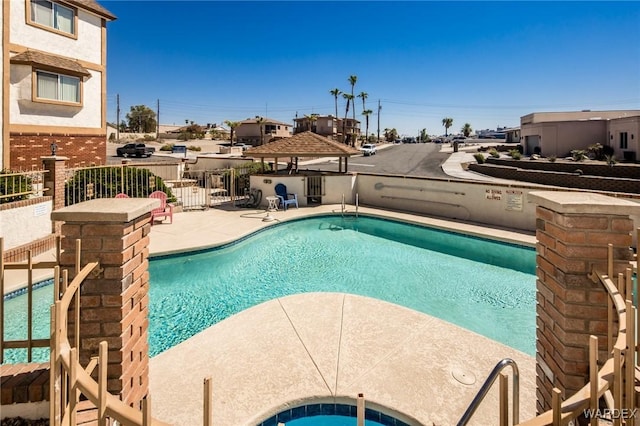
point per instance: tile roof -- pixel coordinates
(31, 57)
(92, 6)
(305, 144)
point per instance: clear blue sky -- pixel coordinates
(483, 63)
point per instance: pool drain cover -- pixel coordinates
(463, 376)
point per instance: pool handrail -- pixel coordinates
(484, 390)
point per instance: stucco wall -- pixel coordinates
(632, 127)
(23, 110)
(25, 223)
(86, 47)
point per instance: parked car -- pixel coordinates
(368, 149)
(244, 146)
(135, 150)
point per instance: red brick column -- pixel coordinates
(573, 230)
(54, 183)
(114, 301)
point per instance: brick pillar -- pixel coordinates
(114, 301)
(573, 230)
(54, 183)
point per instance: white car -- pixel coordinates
(368, 149)
(244, 146)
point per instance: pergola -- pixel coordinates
(305, 144)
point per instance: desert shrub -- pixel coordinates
(552, 158)
(194, 148)
(148, 138)
(479, 157)
(13, 183)
(494, 153)
(167, 147)
(106, 182)
(515, 154)
(578, 154)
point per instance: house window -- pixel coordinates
(623, 140)
(57, 87)
(54, 15)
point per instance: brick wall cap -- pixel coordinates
(121, 210)
(54, 157)
(583, 202)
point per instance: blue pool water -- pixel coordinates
(484, 286)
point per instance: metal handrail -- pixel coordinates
(482, 393)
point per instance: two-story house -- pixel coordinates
(258, 132)
(55, 84)
(328, 126)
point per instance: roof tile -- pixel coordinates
(305, 144)
(31, 57)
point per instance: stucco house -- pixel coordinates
(54, 90)
(248, 131)
(327, 126)
(558, 133)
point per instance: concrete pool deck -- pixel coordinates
(325, 347)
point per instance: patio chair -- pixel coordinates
(122, 195)
(285, 197)
(165, 210)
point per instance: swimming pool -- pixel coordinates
(484, 286)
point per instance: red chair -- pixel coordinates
(165, 210)
(121, 195)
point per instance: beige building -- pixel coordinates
(54, 91)
(328, 126)
(558, 133)
(323, 125)
(248, 131)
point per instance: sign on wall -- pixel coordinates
(514, 200)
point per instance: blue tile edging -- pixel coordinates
(23, 290)
(327, 409)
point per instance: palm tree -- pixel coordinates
(336, 92)
(363, 95)
(232, 127)
(311, 118)
(352, 82)
(349, 98)
(447, 122)
(466, 130)
(367, 113)
(260, 121)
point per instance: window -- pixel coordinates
(623, 140)
(53, 15)
(57, 87)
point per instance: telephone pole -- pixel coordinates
(158, 120)
(379, 108)
(118, 117)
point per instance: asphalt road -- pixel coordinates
(420, 159)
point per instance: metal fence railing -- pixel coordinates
(16, 186)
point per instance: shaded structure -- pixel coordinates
(306, 145)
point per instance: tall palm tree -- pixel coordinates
(447, 122)
(336, 92)
(366, 113)
(466, 130)
(363, 95)
(352, 82)
(260, 121)
(349, 98)
(232, 127)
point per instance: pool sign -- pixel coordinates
(514, 200)
(493, 194)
